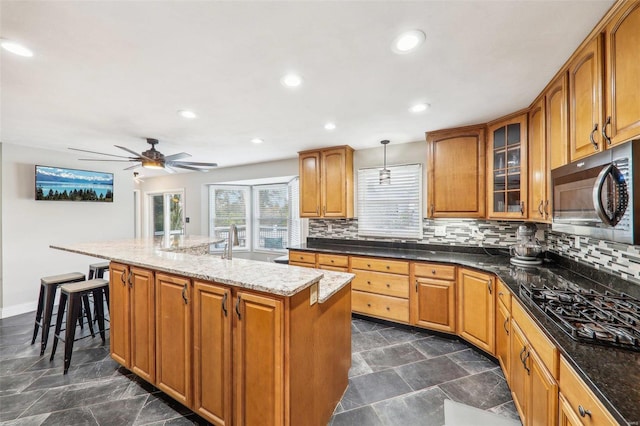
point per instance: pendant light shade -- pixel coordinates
(385, 174)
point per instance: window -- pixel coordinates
(394, 209)
(166, 215)
(229, 205)
(268, 214)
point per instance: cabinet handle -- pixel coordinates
(583, 412)
(416, 286)
(368, 305)
(368, 265)
(224, 304)
(604, 131)
(331, 260)
(369, 282)
(524, 363)
(433, 271)
(593, 142)
(129, 279)
(490, 286)
(432, 210)
(388, 285)
(540, 208)
(184, 294)
(506, 330)
(388, 267)
(546, 209)
(388, 308)
(238, 308)
(524, 348)
(124, 271)
(521, 208)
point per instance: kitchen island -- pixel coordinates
(237, 341)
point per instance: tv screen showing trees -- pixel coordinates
(61, 184)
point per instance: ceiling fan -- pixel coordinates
(153, 159)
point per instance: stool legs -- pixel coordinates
(38, 314)
(99, 308)
(50, 294)
(56, 334)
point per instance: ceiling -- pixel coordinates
(115, 72)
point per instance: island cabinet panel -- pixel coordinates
(476, 308)
(433, 296)
(456, 172)
(212, 368)
(258, 360)
(132, 319)
(173, 336)
(518, 374)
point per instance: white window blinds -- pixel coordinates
(229, 205)
(271, 213)
(393, 210)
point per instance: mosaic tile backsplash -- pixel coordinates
(615, 258)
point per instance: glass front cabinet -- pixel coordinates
(507, 166)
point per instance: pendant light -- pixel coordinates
(385, 174)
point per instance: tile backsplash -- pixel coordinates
(622, 260)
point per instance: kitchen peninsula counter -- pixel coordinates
(237, 341)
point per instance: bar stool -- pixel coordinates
(48, 287)
(97, 270)
(75, 293)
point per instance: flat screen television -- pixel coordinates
(61, 184)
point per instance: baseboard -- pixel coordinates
(14, 310)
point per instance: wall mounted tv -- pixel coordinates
(60, 184)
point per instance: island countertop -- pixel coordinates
(183, 255)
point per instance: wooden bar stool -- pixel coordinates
(48, 287)
(75, 293)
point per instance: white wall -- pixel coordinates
(29, 226)
(1, 245)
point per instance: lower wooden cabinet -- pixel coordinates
(503, 338)
(173, 337)
(433, 301)
(476, 308)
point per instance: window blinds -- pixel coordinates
(229, 205)
(293, 189)
(393, 210)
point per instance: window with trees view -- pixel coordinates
(266, 215)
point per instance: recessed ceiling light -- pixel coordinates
(330, 126)
(408, 41)
(257, 140)
(419, 107)
(185, 113)
(291, 80)
(16, 48)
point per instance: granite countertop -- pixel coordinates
(178, 257)
(612, 374)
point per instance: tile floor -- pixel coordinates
(398, 377)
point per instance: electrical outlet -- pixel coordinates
(577, 242)
(313, 298)
(330, 227)
(441, 231)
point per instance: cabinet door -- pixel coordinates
(142, 297)
(433, 304)
(567, 416)
(456, 173)
(173, 337)
(476, 308)
(507, 164)
(542, 408)
(585, 101)
(309, 165)
(623, 74)
(537, 163)
(119, 337)
(517, 374)
(212, 352)
(334, 182)
(503, 339)
(258, 360)
(557, 127)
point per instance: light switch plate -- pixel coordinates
(313, 299)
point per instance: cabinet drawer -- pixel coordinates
(302, 257)
(380, 265)
(304, 265)
(334, 268)
(504, 295)
(381, 283)
(545, 349)
(333, 260)
(578, 395)
(432, 270)
(377, 305)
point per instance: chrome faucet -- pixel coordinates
(231, 241)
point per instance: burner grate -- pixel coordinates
(588, 316)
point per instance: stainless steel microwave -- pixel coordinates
(595, 196)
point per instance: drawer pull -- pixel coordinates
(331, 260)
(301, 257)
(388, 267)
(433, 271)
(388, 285)
(369, 305)
(506, 330)
(368, 265)
(583, 412)
(388, 308)
(369, 282)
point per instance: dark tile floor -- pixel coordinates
(398, 377)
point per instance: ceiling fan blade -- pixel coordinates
(182, 166)
(133, 152)
(98, 159)
(177, 156)
(135, 166)
(168, 169)
(196, 164)
(101, 153)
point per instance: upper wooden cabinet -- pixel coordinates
(556, 127)
(456, 172)
(507, 168)
(622, 120)
(538, 170)
(585, 100)
(326, 183)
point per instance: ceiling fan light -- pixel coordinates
(152, 164)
